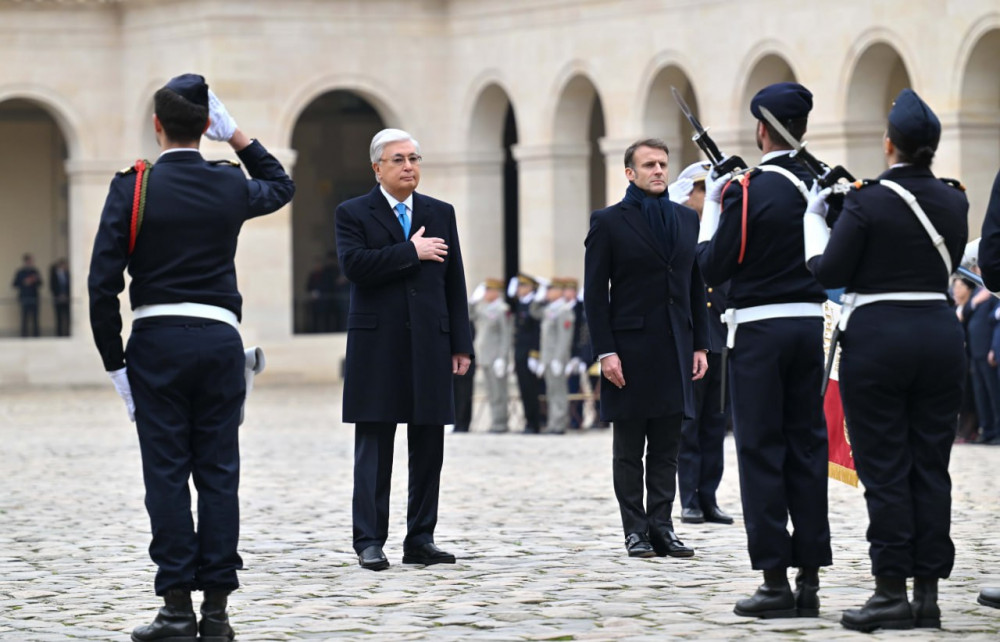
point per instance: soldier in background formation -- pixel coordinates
(491, 317)
(700, 459)
(557, 322)
(527, 333)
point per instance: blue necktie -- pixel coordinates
(404, 220)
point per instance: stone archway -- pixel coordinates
(878, 77)
(331, 138)
(979, 123)
(34, 208)
(579, 173)
(768, 70)
(662, 118)
(490, 239)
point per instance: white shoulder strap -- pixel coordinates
(911, 200)
(795, 180)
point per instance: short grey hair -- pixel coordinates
(387, 136)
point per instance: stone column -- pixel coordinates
(554, 207)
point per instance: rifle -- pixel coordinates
(824, 174)
(722, 164)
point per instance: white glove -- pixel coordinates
(815, 233)
(512, 287)
(533, 364)
(680, 190)
(970, 258)
(222, 126)
(817, 200)
(556, 367)
(478, 293)
(499, 367)
(542, 291)
(581, 367)
(255, 364)
(572, 366)
(713, 186)
(120, 379)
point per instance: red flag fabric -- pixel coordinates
(841, 466)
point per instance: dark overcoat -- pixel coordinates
(646, 306)
(407, 317)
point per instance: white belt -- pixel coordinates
(733, 317)
(200, 310)
(854, 300)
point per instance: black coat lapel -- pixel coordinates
(382, 213)
(634, 218)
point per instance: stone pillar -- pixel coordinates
(554, 207)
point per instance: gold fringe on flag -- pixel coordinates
(843, 474)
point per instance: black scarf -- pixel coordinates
(659, 213)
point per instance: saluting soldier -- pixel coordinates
(527, 336)
(903, 363)
(556, 349)
(751, 236)
(492, 343)
(182, 374)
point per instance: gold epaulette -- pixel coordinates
(224, 162)
(131, 169)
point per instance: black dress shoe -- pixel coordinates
(692, 516)
(715, 515)
(637, 545)
(990, 597)
(373, 559)
(427, 554)
(666, 542)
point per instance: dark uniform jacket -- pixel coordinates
(654, 316)
(407, 316)
(773, 268)
(877, 232)
(187, 242)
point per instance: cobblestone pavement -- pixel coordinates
(532, 518)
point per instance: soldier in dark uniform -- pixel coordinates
(775, 359)
(527, 338)
(182, 373)
(903, 363)
(989, 264)
(700, 460)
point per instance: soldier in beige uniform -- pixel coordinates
(557, 347)
(493, 336)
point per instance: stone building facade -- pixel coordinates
(523, 109)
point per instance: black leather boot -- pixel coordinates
(926, 614)
(887, 608)
(773, 598)
(174, 623)
(214, 626)
(807, 591)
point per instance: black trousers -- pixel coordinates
(901, 374)
(373, 449)
(29, 319)
(62, 319)
(775, 375)
(529, 387)
(700, 461)
(187, 381)
(660, 438)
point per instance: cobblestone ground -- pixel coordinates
(532, 519)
